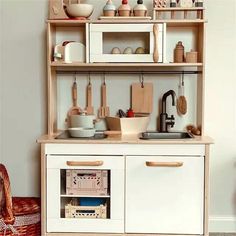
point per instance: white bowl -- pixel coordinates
(80, 10)
(81, 132)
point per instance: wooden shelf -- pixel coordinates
(125, 66)
(177, 22)
(90, 196)
(180, 9)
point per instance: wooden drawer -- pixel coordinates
(165, 194)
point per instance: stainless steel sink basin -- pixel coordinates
(167, 135)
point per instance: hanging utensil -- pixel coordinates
(181, 101)
(142, 97)
(104, 110)
(75, 109)
(89, 108)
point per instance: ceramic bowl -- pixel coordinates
(80, 10)
(81, 132)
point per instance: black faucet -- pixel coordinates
(166, 121)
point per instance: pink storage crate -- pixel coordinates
(87, 182)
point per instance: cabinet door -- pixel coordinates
(59, 199)
(164, 194)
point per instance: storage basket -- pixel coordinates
(86, 211)
(19, 216)
(87, 182)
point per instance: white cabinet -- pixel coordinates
(164, 194)
(105, 37)
(57, 199)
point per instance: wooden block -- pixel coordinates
(142, 97)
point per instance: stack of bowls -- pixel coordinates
(82, 126)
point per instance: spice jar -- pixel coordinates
(124, 9)
(109, 9)
(140, 9)
(179, 53)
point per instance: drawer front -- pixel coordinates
(164, 194)
(57, 197)
(85, 162)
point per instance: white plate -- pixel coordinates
(81, 133)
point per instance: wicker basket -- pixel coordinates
(18, 216)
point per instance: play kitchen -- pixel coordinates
(125, 152)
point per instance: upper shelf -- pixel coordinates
(125, 66)
(169, 22)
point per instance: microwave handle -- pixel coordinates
(155, 33)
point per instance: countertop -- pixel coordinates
(124, 139)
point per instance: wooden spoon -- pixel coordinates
(182, 101)
(75, 110)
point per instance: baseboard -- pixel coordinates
(221, 224)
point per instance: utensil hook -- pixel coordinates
(75, 77)
(142, 81)
(89, 79)
(182, 79)
(104, 78)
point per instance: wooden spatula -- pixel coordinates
(104, 110)
(142, 97)
(89, 108)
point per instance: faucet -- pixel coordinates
(166, 121)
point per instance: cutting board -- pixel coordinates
(142, 97)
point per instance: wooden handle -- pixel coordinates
(112, 132)
(155, 32)
(74, 94)
(104, 92)
(89, 95)
(84, 163)
(163, 164)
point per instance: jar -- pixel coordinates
(109, 9)
(179, 53)
(140, 9)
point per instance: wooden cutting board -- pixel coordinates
(142, 97)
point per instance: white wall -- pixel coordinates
(23, 96)
(220, 111)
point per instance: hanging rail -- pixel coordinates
(131, 72)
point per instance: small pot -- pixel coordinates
(83, 121)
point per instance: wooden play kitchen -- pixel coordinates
(122, 179)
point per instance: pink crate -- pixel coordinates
(87, 182)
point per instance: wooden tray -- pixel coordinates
(125, 18)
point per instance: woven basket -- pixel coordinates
(19, 216)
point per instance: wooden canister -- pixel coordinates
(191, 57)
(179, 53)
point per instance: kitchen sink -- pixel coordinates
(166, 135)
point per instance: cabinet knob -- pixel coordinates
(84, 163)
(163, 164)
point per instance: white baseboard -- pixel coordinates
(221, 224)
